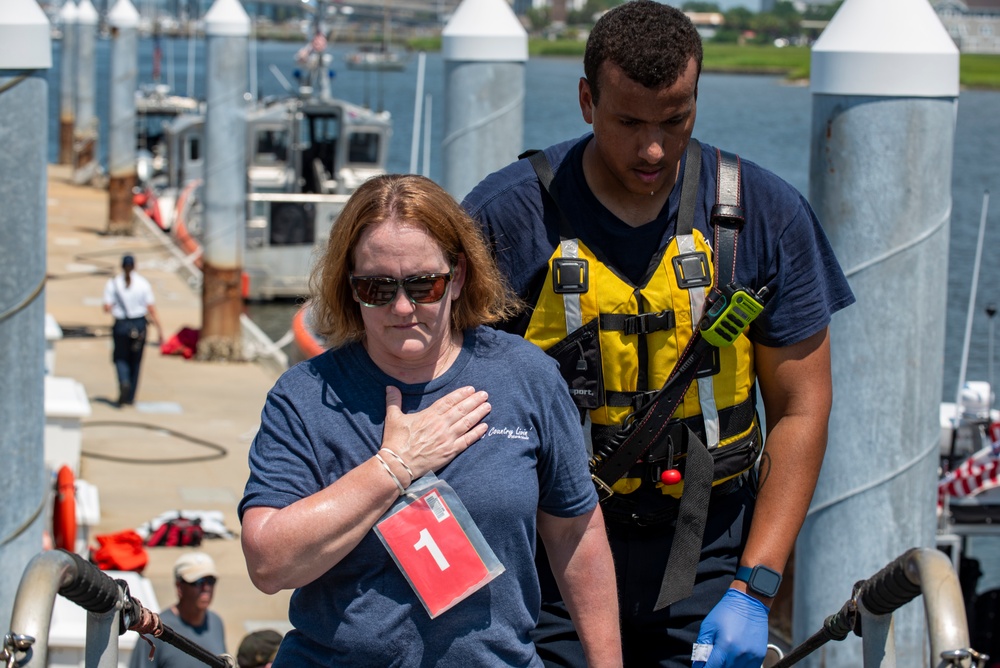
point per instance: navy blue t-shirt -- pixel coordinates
(325, 416)
(782, 245)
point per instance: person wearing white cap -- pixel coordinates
(195, 576)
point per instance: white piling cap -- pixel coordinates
(123, 15)
(86, 14)
(484, 30)
(67, 14)
(885, 48)
(227, 18)
(25, 39)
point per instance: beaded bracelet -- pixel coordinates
(402, 463)
(392, 475)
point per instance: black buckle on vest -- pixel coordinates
(733, 214)
(640, 399)
(570, 276)
(644, 323)
(711, 364)
(661, 454)
(691, 270)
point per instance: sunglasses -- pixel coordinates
(202, 582)
(373, 291)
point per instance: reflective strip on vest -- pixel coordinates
(706, 390)
(571, 301)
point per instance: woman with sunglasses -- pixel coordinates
(415, 383)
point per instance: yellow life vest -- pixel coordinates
(617, 343)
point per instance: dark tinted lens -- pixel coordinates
(377, 291)
(426, 289)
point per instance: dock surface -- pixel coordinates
(185, 409)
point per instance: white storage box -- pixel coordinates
(66, 404)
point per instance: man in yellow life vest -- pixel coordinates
(628, 243)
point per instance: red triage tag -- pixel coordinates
(434, 552)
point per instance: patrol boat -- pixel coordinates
(305, 153)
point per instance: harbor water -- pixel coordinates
(763, 118)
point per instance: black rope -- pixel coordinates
(16, 80)
(27, 523)
(219, 450)
(24, 302)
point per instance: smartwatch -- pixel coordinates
(760, 579)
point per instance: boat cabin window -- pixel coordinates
(320, 133)
(271, 147)
(363, 148)
(193, 148)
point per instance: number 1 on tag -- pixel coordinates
(427, 541)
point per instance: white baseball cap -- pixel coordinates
(193, 566)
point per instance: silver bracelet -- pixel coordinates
(402, 463)
(392, 475)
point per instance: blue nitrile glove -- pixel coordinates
(736, 630)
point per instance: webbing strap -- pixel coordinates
(689, 531)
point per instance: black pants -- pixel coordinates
(664, 637)
(129, 336)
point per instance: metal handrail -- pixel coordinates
(113, 611)
(918, 571)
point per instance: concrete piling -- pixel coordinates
(227, 29)
(884, 86)
(25, 55)
(67, 81)
(85, 128)
(485, 49)
(122, 154)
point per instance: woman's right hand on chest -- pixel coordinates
(428, 439)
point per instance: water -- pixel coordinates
(761, 118)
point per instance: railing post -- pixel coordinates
(878, 644)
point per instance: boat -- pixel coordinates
(155, 108)
(305, 154)
(379, 57)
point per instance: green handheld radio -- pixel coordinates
(728, 316)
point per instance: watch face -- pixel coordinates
(764, 581)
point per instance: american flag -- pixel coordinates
(978, 473)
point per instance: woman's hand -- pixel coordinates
(429, 439)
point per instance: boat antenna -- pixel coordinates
(192, 38)
(972, 304)
(991, 310)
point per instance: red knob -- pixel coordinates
(670, 477)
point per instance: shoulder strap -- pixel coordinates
(727, 216)
(121, 302)
(543, 170)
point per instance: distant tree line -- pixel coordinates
(741, 25)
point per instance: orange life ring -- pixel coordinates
(64, 510)
(304, 337)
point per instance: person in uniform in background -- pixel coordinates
(611, 239)
(257, 649)
(128, 297)
(195, 576)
